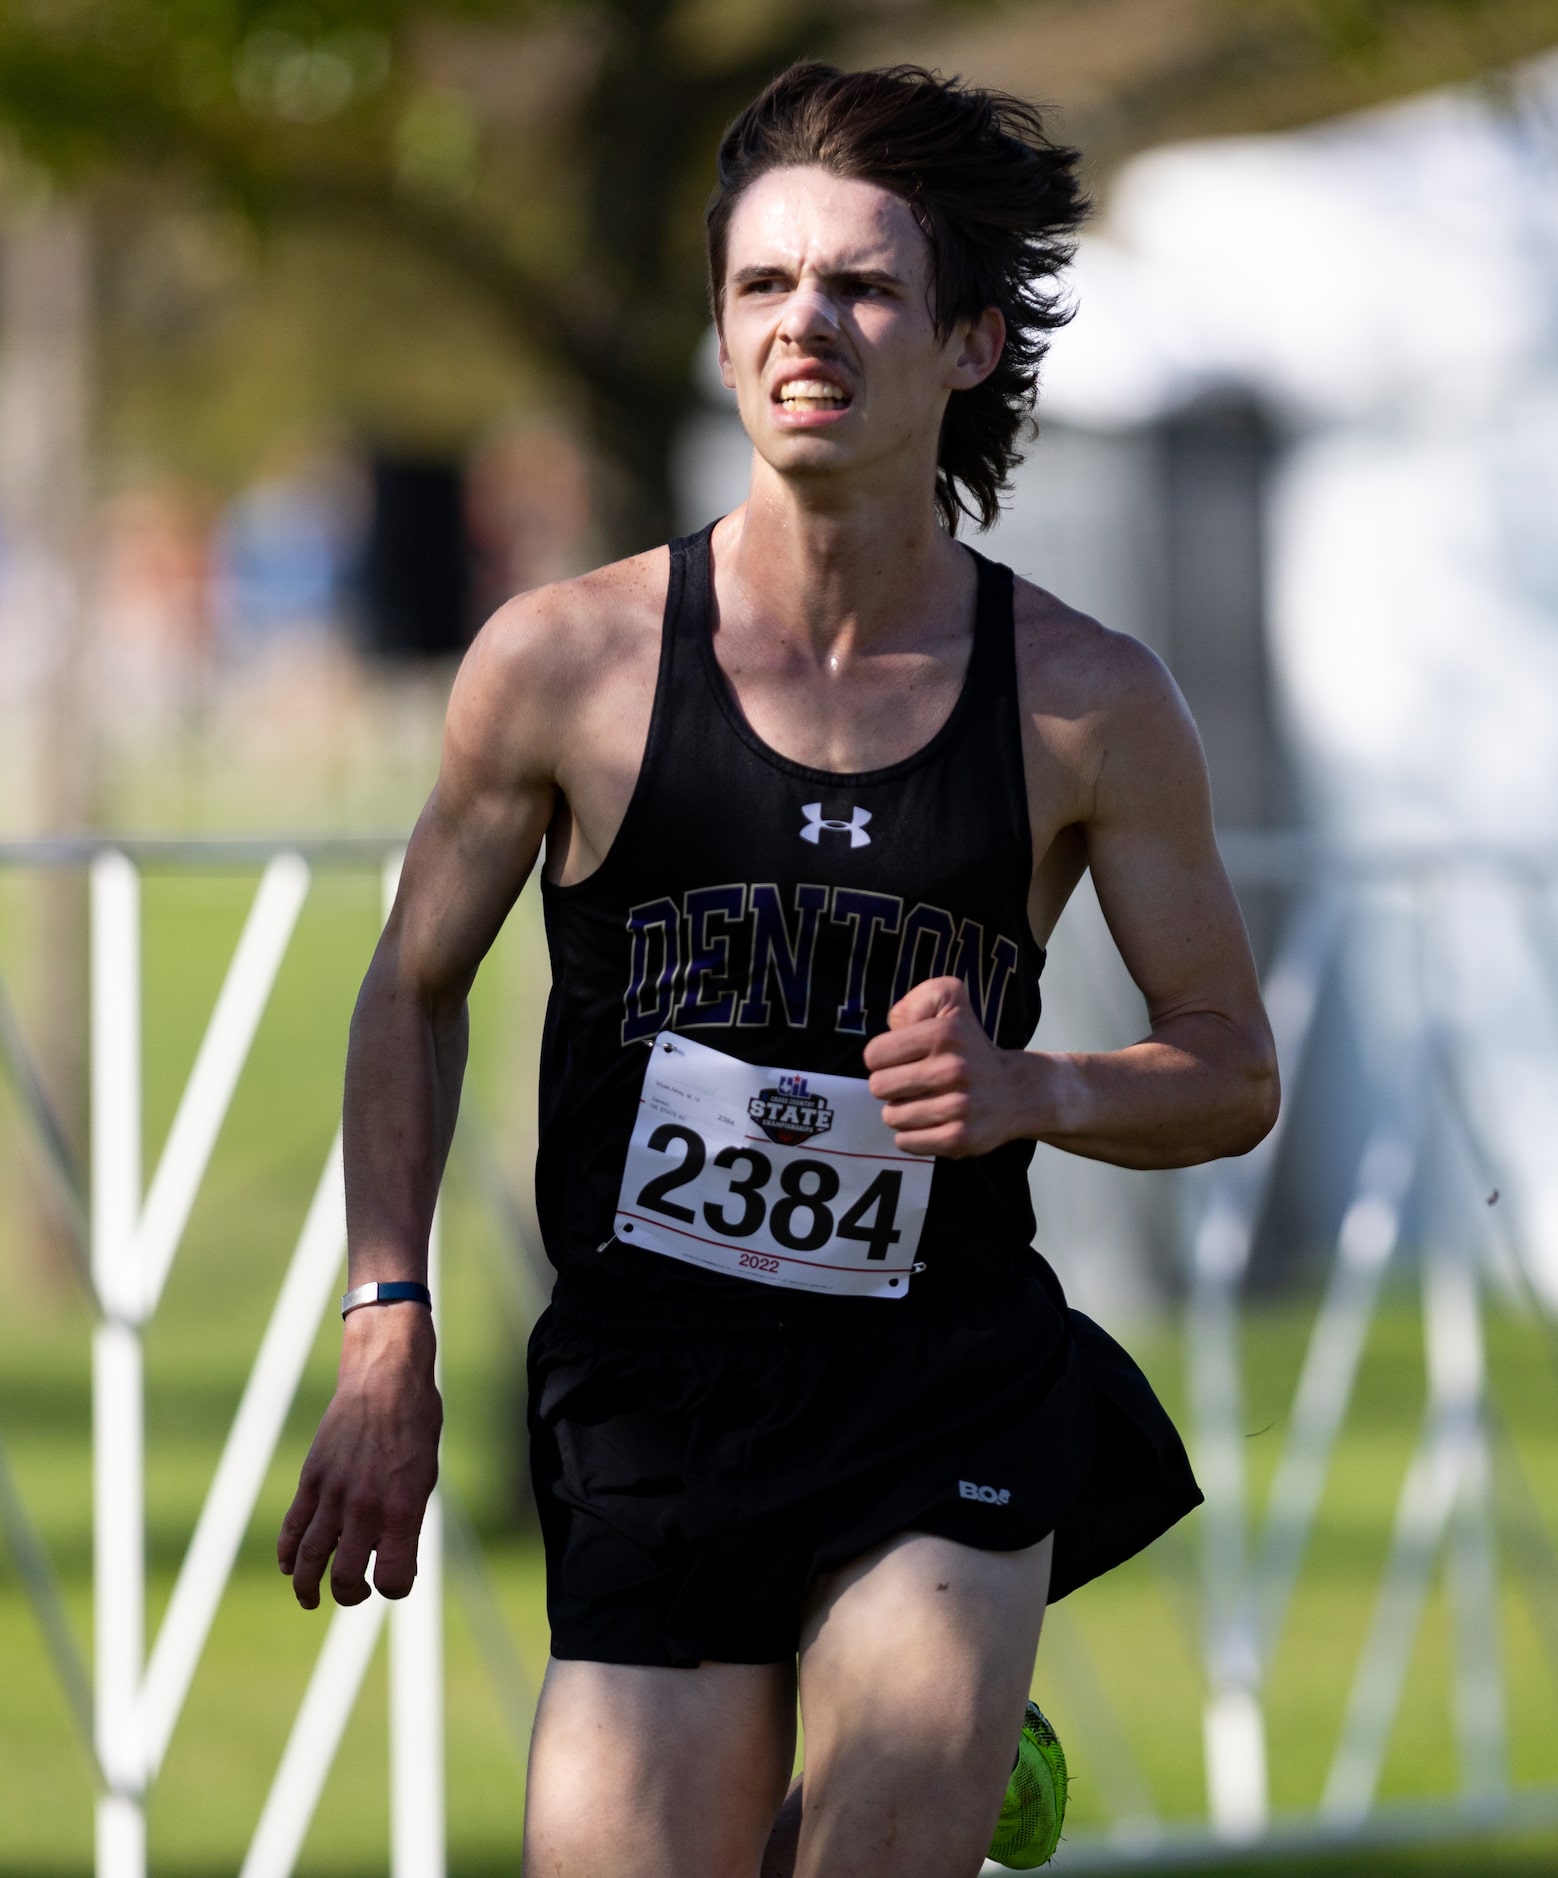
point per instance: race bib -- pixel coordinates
(766, 1174)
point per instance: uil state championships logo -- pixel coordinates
(788, 1114)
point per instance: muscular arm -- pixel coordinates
(470, 854)
(374, 1461)
(1203, 1082)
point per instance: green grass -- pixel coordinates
(1511, 1858)
(1120, 1657)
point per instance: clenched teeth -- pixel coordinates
(803, 393)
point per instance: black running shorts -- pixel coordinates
(693, 1481)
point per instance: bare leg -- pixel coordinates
(785, 1838)
(915, 1664)
(657, 1773)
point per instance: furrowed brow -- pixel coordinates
(865, 276)
(776, 270)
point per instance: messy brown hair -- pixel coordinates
(999, 204)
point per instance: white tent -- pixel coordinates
(1388, 284)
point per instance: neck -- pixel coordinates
(823, 565)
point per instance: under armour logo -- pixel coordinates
(855, 827)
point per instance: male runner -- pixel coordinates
(807, 1411)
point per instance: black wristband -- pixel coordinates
(400, 1291)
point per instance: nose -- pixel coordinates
(808, 314)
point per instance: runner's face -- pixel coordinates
(826, 334)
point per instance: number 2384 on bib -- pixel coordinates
(765, 1174)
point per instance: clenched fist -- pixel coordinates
(945, 1088)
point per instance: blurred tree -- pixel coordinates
(1135, 72)
(553, 158)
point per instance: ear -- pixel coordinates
(976, 351)
(727, 372)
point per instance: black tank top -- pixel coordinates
(775, 912)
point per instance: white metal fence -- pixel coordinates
(131, 1229)
(1251, 1556)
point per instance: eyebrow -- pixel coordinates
(766, 270)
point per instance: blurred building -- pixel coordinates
(1387, 286)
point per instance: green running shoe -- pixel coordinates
(1035, 1805)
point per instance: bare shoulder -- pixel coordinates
(1100, 702)
(546, 656)
(1071, 664)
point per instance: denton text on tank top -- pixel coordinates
(775, 912)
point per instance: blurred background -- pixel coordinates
(324, 328)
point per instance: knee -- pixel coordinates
(597, 1827)
(925, 1814)
(919, 1766)
(601, 1805)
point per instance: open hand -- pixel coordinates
(373, 1464)
(945, 1088)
